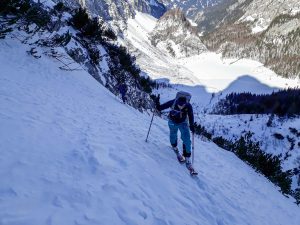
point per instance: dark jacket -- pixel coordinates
(177, 115)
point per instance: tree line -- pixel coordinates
(281, 103)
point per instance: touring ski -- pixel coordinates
(192, 170)
(182, 160)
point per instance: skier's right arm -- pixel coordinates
(166, 105)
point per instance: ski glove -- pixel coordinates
(192, 128)
(157, 106)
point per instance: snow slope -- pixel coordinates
(71, 153)
(232, 127)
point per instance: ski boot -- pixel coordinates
(189, 166)
(180, 158)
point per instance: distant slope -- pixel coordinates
(71, 153)
(266, 31)
(118, 11)
(191, 7)
(175, 33)
(207, 69)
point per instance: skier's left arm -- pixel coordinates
(191, 118)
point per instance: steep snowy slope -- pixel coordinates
(71, 153)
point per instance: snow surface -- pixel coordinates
(71, 153)
(232, 127)
(207, 69)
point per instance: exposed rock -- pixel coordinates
(175, 33)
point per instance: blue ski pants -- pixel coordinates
(185, 134)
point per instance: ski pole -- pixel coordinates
(193, 148)
(149, 127)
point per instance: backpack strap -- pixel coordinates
(174, 103)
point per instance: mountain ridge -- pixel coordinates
(176, 33)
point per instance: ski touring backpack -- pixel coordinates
(176, 115)
(180, 94)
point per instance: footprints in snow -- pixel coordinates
(83, 161)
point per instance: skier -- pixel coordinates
(180, 110)
(123, 89)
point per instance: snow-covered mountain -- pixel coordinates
(240, 25)
(118, 11)
(72, 153)
(190, 7)
(176, 34)
(267, 31)
(258, 14)
(209, 71)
